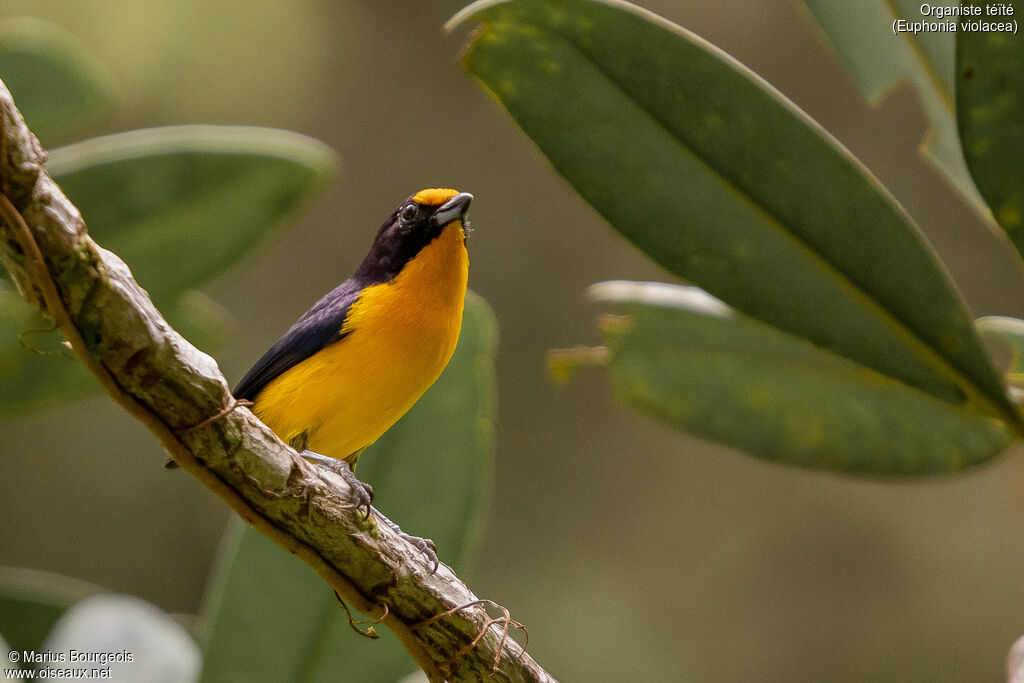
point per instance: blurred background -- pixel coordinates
(629, 551)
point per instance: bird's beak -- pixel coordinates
(454, 208)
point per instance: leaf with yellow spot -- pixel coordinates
(990, 113)
(696, 365)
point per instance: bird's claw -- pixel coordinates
(362, 491)
(425, 546)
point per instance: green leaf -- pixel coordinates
(861, 32)
(267, 614)
(32, 601)
(271, 618)
(181, 205)
(990, 112)
(204, 322)
(58, 85)
(723, 181)
(693, 363)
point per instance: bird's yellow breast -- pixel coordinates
(400, 335)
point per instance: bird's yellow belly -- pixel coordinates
(400, 336)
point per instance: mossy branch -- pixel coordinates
(175, 389)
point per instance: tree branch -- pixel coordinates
(175, 389)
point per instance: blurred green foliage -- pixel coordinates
(724, 182)
(179, 205)
(32, 601)
(61, 84)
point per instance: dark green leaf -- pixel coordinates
(691, 362)
(55, 81)
(727, 184)
(181, 205)
(990, 112)
(861, 32)
(270, 618)
(32, 601)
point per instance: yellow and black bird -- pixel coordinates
(356, 361)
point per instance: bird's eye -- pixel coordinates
(409, 212)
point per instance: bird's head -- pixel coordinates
(413, 225)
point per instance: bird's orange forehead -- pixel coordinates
(434, 196)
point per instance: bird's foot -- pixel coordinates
(364, 495)
(424, 545)
(363, 492)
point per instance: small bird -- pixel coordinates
(359, 359)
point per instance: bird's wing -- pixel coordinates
(318, 327)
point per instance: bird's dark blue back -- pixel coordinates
(318, 327)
